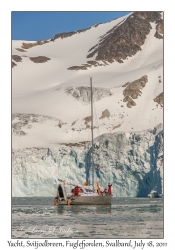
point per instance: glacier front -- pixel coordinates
(132, 162)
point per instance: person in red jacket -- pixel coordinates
(76, 191)
(109, 189)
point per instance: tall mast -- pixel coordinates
(92, 134)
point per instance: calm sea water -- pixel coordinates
(36, 217)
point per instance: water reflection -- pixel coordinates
(155, 208)
(103, 209)
(76, 209)
(125, 218)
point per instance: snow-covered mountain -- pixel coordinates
(51, 96)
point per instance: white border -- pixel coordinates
(5, 96)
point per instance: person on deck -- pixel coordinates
(109, 189)
(105, 191)
(76, 191)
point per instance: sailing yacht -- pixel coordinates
(84, 194)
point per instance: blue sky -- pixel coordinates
(34, 25)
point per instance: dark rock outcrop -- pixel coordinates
(159, 29)
(118, 126)
(83, 30)
(68, 34)
(21, 50)
(83, 67)
(87, 120)
(105, 114)
(30, 45)
(13, 64)
(16, 58)
(64, 35)
(89, 65)
(129, 101)
(39, 59)
(159, 99)
(133, 90)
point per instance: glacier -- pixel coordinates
(131, 161)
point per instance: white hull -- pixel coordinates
(88, 200)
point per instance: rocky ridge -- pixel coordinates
(68, 34)
(41, 42)
(125, 39)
